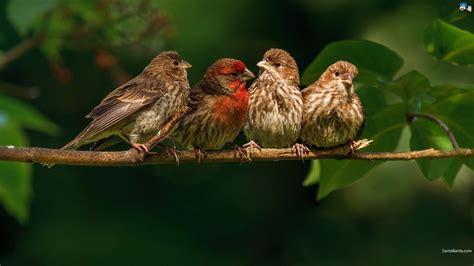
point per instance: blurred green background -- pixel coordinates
(213, 214)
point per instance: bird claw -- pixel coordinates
(199, 154)
(248, 148)
(173, 152)
(141, 148)
(241, 153)
(352, 147)
(300, 150)
(142, 151)
(355, 145)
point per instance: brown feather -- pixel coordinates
(275, 105)
(124, 111)
(217, 107)
(333, 115)
(122, 103)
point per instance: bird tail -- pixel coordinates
(72, 145)
(105, 143)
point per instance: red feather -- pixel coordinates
(232, 109)
(237, 66)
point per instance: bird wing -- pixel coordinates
(195, 97)
(105, 143)
(362, 126)
(315, 87)
(137, 91)
(121, 103)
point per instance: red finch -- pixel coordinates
(276, 105)
(136, 111)
(333, 114)
(218, 106)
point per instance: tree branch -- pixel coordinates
(126, 158)
(20, 49)
(412, 116)
(130, 158)
(29, 93)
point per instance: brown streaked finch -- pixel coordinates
(218, 106)
(333, 114)
(136, 111)
(276, 104)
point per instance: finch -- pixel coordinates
(276, 104)
(218, 106)
(136, 111)
(333, 114)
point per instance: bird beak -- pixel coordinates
(247, 75)
(348, 84)
(263, 65)
(186, 65)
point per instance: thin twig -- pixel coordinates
(124, 158)
(29, 93)
(20, 49)
(411, 117)
(165, 130)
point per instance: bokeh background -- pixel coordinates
(226, 214)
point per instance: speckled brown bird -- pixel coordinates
(276, 104)
(333, 114)
(136, 111)
(218, 106)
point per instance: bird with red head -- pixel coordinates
(218, 107)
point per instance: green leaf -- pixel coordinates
(88, 12)
(24, 13)
(418, 95)
(415, 89)
(454, 106)
(412, 88)
(15, 178)
(426, 134)
(456, 111)
(314, 174)
(26, 116)
(449, 43)
(373, 60)
(385, 128)
(469, 162)
(58, 26)
(451, 173)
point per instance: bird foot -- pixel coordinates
(171, 152)
(355, 145)
(142, 151)
(239, 151)
(141, 148)
(248, 148)
(200, 153)
(300, 150)
(352, 147)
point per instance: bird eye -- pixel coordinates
(277, 64)
(235, 74)
(336, 74)
(175, 63)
